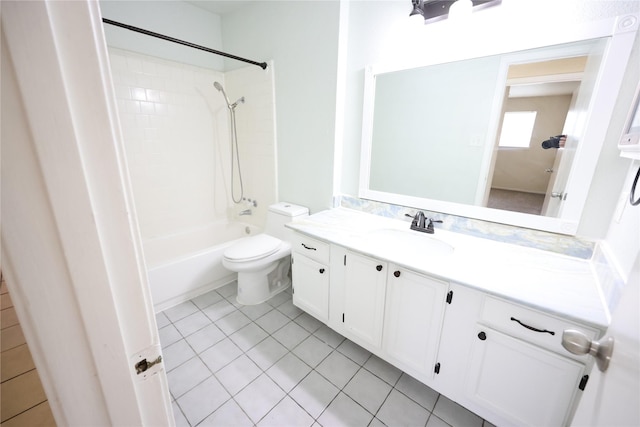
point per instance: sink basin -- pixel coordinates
(414, 242)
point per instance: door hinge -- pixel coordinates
(345, 260)
(449, 297)
(342, 317)
(437, 368)
(583, 382)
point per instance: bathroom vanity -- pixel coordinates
(476, 320)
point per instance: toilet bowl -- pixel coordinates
(263, 261)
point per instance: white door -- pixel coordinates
(364, 297)
(71, 250)
(611, 397)
(310, 286)
(575, 128)
(414, 310)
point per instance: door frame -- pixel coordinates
(71, 250)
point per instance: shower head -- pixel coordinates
(221, 89)
(231, 106)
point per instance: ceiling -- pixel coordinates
(219, 7)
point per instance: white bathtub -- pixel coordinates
(183, 266)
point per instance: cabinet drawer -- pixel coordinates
(311, 248)
(531, 325)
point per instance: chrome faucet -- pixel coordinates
(245, 212)
(419, 223)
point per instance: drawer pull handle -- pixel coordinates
(321, 271)
(308, 247)
(532, 328)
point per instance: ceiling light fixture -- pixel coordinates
(435, 10)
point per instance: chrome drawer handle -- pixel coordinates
(532, 328)
(308, 247)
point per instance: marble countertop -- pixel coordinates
(548, 281)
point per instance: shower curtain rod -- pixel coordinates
(262, 65)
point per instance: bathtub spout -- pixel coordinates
(245, 212)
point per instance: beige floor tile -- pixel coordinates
(39, 416)
(11, 337)
(20, 394)
(15, 362)
(8, 317)
(5, 301)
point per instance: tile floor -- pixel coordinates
(274, 365)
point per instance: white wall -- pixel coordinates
(622, 237)
(175, 19)
(302, 38)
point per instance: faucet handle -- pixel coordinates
(430, 228)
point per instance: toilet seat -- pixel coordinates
(252, 248)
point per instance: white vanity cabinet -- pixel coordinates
(414, 311)
(517, 368)
(484, 335)
(310, 274)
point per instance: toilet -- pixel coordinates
(263, 261)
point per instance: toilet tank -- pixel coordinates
(280, 214)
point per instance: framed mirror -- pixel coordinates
(465, 137)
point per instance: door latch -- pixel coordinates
(145, 364)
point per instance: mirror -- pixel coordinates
(436, 137)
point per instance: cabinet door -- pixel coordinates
(523, 383)
(364, 297)
(310, 286)
(413, 319)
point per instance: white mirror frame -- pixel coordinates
(621, 30)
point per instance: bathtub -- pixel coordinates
(183, 266)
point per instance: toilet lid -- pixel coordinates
(254, 247)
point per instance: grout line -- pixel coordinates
(289, 351)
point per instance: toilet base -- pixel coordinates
(259, 286)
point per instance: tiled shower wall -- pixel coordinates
(256, 123)
(175, 126)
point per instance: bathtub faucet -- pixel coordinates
(245, 212)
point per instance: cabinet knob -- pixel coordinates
(482, 336)
(321, 270)
(396, 273)
(379, 267)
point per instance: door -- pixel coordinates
(523, 383)
(311, 286)
(71, 250)
(576, 130)
(364, 297)
(414, 310)
(611, 397)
